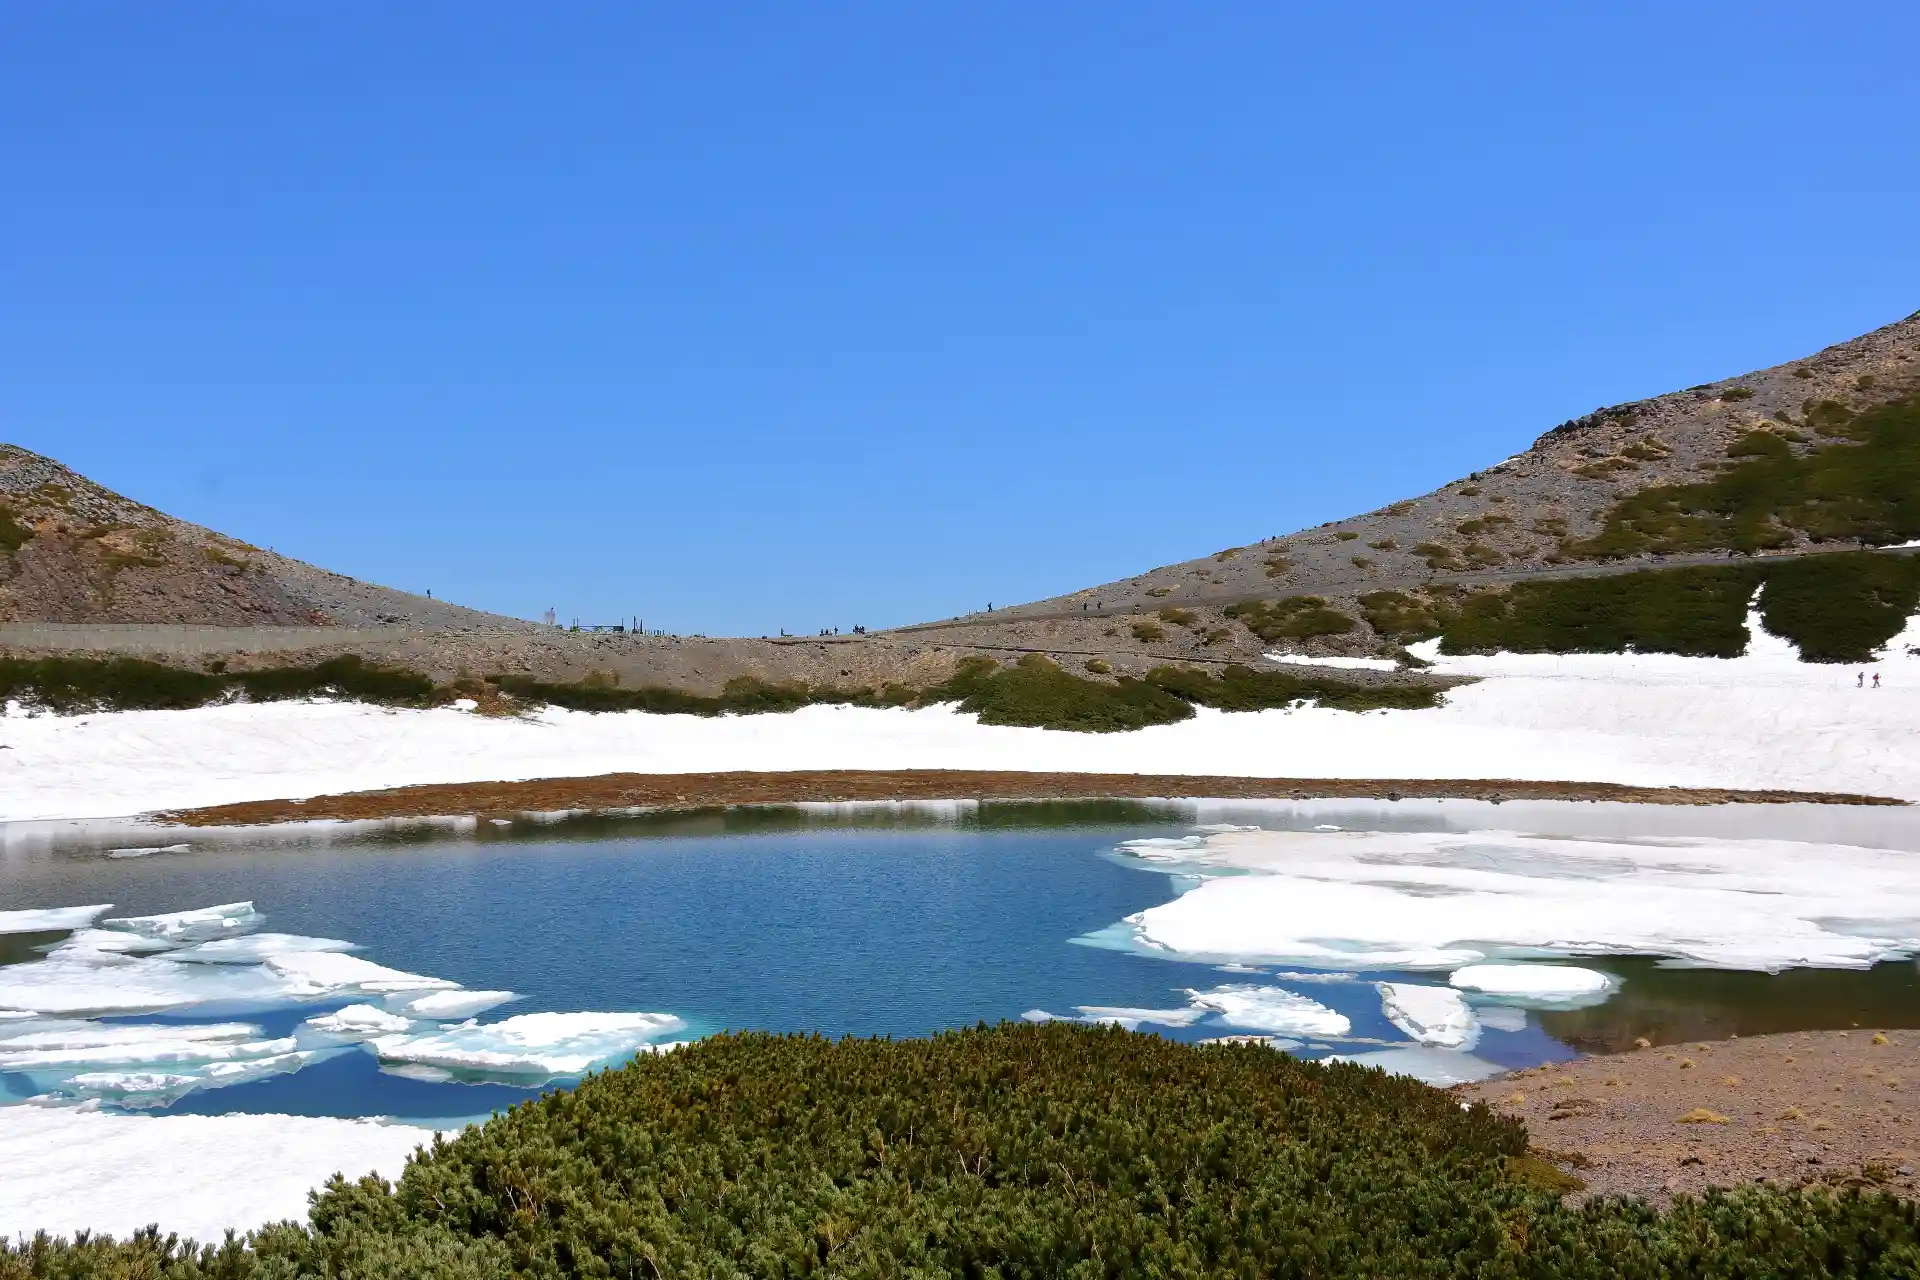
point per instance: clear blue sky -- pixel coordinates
(747, 316)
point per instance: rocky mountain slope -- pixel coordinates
(73, 551)
(1591, 495)
(1819, 454)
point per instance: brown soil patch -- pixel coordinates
(1832, 1107)
(704, 790)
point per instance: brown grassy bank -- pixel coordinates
(702, 790)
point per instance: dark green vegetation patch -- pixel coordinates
(1035, 692)
(1006, 1152)
(13, 534)
(70, 685)
(1692, 611)
(1294, 618)
(1863, 485)
(1836, 608)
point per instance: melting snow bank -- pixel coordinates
(70, 1170)
(1765, 720)
(1347, 664)
(1425, 900)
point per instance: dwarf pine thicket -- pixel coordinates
(1010, 1151)
(1861, 482)
(1035, 692)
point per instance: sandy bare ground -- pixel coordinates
(1832, 1107)
(702, 790)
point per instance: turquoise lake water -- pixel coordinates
(871, 921)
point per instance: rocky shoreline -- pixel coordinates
(1830, 1108)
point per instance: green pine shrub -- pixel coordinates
(1863, 485)
(1011, 1151)
(1294, 618)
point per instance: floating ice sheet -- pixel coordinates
(200, 925)
(320, 973)
(360, 1022)
(1122, 1016)
(1272, 1009)
(92, 982)
(256, 947)
(57, 1042)
(1438, 1067)
(1434, 1016)
(147, 851)
(1430, 900)
(51, 919)
(443, 1005)
(1557, 986)
(531, 1045)
(1501, 1017)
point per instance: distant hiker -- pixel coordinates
(1860, 680)
(1876, 679)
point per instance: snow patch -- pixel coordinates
(198, 1175)
(1346, 664)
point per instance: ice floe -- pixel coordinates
(200, 925)
(256, 947)
(1429, 900)
(1501, 1017)
(51, 919)
(439, 1005)
(1434, 1016)
(1121, 1016)
(360, 1022)
(322, 973)
(212, 960)
(1438, 1067)
(530, 1045)
(1553, 986)
(1272, 1009)
(146, 851)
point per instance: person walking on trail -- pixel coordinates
(1876, 679)
(1860, 680)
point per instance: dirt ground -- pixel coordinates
(1832, 1107)
(706, 790)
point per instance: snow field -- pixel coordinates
(1764, 720)
(72, 1170)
